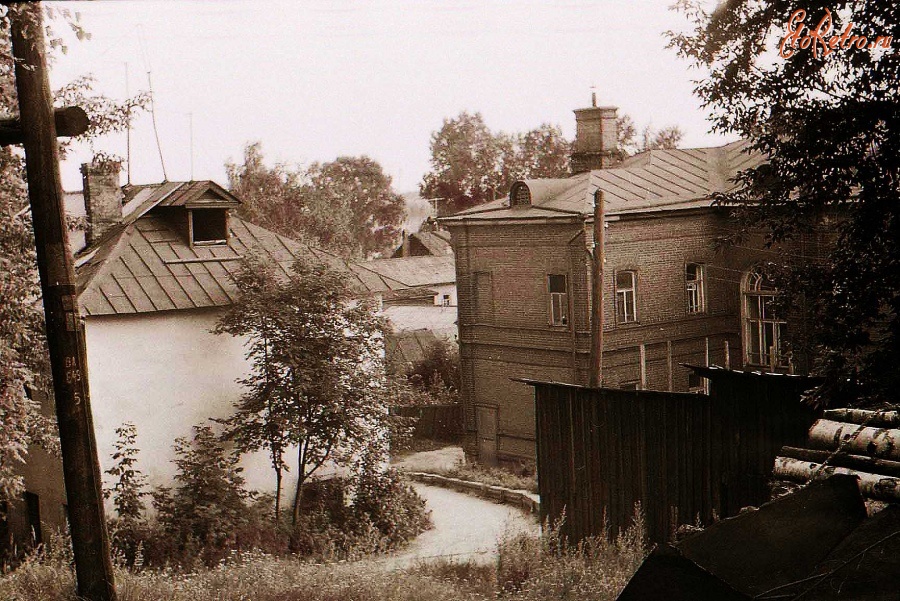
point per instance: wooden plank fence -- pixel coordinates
(683, 457)
(435, 422)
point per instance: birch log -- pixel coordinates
(876, 419)
(872, 486)
(855, 439)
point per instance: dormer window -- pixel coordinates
(208, 226)
(520, 195)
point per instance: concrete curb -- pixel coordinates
(523, 499)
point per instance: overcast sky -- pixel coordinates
(315, 80)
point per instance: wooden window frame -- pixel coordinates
(622, 296)
(762, 324)
(558, 299)
(695, 289)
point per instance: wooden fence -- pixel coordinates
(681, 456)
(435, 422)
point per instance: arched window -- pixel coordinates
(520, 195)
(763, 330)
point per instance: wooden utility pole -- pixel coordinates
(596, 372)
(65, 331)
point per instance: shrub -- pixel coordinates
(599, 567)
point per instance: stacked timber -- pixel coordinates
(857, 442)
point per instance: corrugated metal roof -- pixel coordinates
(650, 181)
(415, 271)
(145, 265)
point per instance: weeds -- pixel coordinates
(523, 478)
(528, 569)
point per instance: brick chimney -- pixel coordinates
(596, 137)
(102, 198)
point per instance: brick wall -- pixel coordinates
(504, 315)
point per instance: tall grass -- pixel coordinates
(528, 569)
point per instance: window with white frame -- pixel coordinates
(763, 330)
(695, 287)
(559, 299)
(626, 292)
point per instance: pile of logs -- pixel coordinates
(849, 441)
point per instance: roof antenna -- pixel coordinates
(162, 162)
(127, 130)
(152, 103)
(594, 96)
(191, 129)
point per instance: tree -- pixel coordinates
(347, 205)
(24, 362)
(827, 117)
(471, 165)
(317, 380)
(272, 197)
(630, 143)
(437, 373)
(352, 206)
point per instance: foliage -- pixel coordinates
(471, 165)
(207, 506)
(550, 567)
(130, 481)
(128, 528)
(24, 362)
(524, 478)
(384, 500)
(440, 362)
(347, 205)
(629, 142)
(845, 182)
(317, 378)
(528, 569)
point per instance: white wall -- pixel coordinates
(443, 289)
(166, 372)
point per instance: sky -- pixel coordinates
(313, 81)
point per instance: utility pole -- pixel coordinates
(65, 331)
(596, 372)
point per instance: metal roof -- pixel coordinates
(415, 271)
(437, 243)
(144, 265)
(656, 180)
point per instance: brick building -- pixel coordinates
(670, 296)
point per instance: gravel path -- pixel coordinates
(465, 528)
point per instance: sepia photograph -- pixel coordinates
(449, 300)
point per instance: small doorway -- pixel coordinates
(486, 431)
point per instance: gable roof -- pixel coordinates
(415, 271)
(655, 180)
(144, 265)
(437, 242)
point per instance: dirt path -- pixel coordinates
(465, 528)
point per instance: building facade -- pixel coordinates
(671, 293)
(153, 280)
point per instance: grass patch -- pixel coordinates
(528, 569)
(523, 478)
